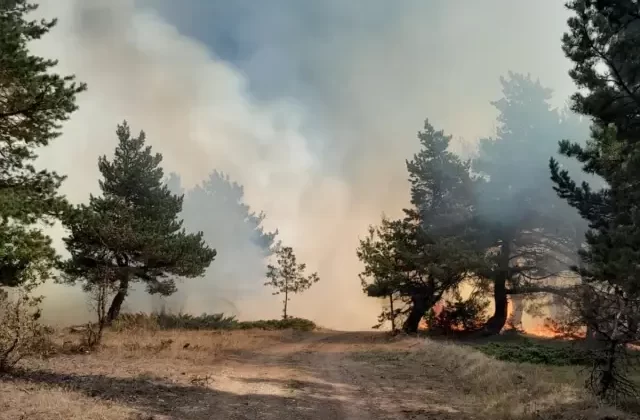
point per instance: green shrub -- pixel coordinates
(169, 321)
(299, 324)
(182, 321)
(535, 353)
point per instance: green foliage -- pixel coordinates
(132, 232)
(182, 321)
(35, 101)
(290, 323)
(603, 43)
(420, 257)
(528, 351)
(288, 276)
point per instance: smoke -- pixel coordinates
(313, 108)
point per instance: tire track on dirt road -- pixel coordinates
(317, 378)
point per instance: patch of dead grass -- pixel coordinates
(503, 391)
(26, 401)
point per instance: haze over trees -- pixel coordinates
(520, 221)
(217, 206)
(507, 221)
(493, 221)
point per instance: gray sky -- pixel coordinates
(313, 106)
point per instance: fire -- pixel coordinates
(549, 328)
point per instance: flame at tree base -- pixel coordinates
(549, 328)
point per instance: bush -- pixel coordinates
(21, 334)
(134, 321)
(182, 321)
(459, 315)
(530, 352)
(299, 324)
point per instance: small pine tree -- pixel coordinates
(288, 276)
(132, 232)
(35, 100)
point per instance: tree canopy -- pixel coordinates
(603, 43)
(34, 101)
(288, 276)
(529, 233)
(420, 257)
(132, 232)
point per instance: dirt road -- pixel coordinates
(286, 375)
(235, 375)
(348, 376)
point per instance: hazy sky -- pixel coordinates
(313, 106)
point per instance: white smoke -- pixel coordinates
(319, 186)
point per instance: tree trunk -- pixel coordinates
(118, 300)
(393, 314)
(286, 299)
(496, 323)
(418, 309)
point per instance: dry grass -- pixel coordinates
(128, 362)
(169, 354)
(22, 400)
(142, 374)
(514, 391)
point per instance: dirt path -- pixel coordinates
(238, 375)
(330, 376)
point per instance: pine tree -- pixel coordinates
(132, 232)
(217, 207)
(426, 254)
(520, 221)
(604, 44)
(288, 276)
(34, 102)
(219, 202)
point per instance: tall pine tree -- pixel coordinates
(132, 232)
(604, 44)
(521, 222)
(426, 254)
(34, 101)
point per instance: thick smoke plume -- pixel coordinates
(315, 118)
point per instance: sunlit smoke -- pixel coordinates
(322, 168)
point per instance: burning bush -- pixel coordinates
(458, 315)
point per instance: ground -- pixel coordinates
(287, 375)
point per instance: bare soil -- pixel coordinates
(280, 376)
